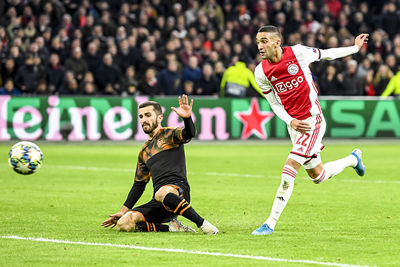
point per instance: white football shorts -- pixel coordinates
(307, 146)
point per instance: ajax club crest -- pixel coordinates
(293, 69)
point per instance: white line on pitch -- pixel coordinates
(179, 251)
(75, 167)
(86, 168)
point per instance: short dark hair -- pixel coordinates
(154, 104)
(271, 29)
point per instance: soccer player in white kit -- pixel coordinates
(285, 80)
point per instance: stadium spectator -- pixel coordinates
(188, 87)
(77, 64)
(192, 72)
(8, 70)
(128, 81)
(9, 89)
(350, 83)
(71, 84)
(55, 74)
(208, 83)
(393, 88)
(381, 79)
(329, 84)
(108, 76)
(41, 88)
(169, 79)
(149, 84)
(237, 80)
(30, 74)
(89, 89)
(88, 78)
(211, 30)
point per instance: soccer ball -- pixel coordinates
(25, 157)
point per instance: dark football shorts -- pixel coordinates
(155, 212)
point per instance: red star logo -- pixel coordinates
(254, 120)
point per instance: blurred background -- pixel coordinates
(79, 68)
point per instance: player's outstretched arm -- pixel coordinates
(333, 53)
(185, 109)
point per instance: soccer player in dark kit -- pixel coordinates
(162, 158)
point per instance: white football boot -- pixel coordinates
(177, 226)
(208, 228)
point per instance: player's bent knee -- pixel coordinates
(163, 191)
(126, 223)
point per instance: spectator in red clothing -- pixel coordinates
(334, 7)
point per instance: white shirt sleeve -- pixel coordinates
(306, 53)
(267, 90)
(312, 54)
(333, 53)
(262, 80)
(278, 108)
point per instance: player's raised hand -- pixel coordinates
(361, 39)
(300, 126)
(185, 109)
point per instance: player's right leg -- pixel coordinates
(127, 223)
(282, 197)
(304, 146)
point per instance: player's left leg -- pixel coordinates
(319, 172)
(174, 201)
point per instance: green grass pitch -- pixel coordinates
(345, 220)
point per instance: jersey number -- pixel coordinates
(303, 142)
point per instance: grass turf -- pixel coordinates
(345, 220)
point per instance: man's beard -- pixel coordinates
(151, 128)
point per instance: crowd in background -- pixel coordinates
(168, 47)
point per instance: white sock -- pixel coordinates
(333, 168)
(282, 195)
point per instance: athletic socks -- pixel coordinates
(180, 206)
(282, 195)
(333, 168)
(151, 227)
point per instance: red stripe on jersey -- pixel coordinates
(315, 88)
(318, 105)
(290, 84)
(319, 53)
(267, 92)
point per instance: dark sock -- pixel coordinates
(151, 227)
(180, 206)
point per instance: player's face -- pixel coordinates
(267, 45)
(149, 119)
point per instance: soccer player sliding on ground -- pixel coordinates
(285, 80)
(162, 158)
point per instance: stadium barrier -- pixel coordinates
(115, 118)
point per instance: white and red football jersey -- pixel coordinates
(291, 81)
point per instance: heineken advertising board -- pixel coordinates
(33, 118)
